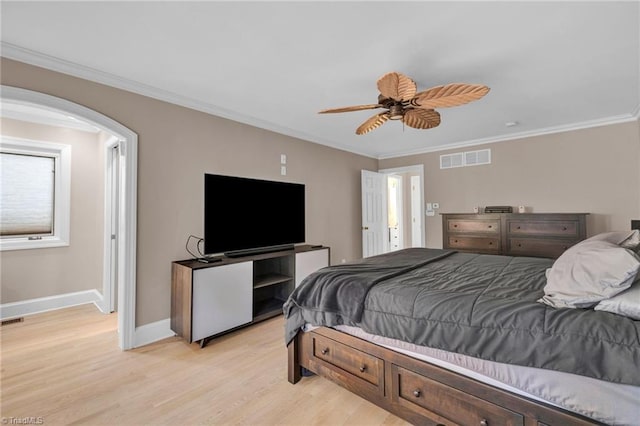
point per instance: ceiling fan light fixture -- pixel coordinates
(396, 112)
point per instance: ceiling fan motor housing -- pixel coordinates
(396, 111)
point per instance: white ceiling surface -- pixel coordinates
(550, 65)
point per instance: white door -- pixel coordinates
(416, 212)
(374, 213)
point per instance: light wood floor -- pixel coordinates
(64, 367)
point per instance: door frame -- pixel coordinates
(111, 218)
(127, 212)
(400, 200)
(420, 169)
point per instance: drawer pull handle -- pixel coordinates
(363, 368)
(325, 351)
(417, 393)
(484, 422)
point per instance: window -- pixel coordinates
(34, 194)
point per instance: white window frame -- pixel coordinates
(61, 154)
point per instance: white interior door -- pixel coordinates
(374, 213)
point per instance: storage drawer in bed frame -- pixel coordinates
(417, 391)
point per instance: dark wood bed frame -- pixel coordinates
(415, 390)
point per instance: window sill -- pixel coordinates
(8, 244)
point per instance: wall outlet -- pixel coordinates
(283, 159)
(283, 170)
(429, 206)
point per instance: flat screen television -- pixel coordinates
(245, 216)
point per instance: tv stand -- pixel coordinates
(211, 299)
(250, 252)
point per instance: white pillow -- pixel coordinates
(590, 271)
(626, 239)
(626, 303)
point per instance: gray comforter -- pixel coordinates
(478, 305)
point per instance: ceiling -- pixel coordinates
(551, 66)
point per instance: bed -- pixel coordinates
(441, 337)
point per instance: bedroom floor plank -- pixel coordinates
(65, 366)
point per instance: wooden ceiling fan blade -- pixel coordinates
(397, 86)
(449, 95)
(421, 118)
(351, 108)
(372, 123)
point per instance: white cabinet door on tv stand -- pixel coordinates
(308, 262)
(222, 299)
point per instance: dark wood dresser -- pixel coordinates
(513, 234)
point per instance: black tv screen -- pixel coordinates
(245, 214)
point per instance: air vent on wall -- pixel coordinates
(462, 159)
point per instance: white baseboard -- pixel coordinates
(144, 335)
(50, 303)
(153, 332)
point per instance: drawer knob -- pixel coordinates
(325, 351)
(490, 243)
(417, 393)
(519, 245)
(484, 422)
(363, 368)
(455, 241)
(455, 226)
(518, 227)
(490, 226)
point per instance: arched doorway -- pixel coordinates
(125, 199)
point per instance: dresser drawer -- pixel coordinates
(427, 397)
(538, 247)
(472, 226)
(551, 228)
(357, 363)
(489, 244)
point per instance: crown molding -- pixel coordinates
(11, 51)
(618, 119)
(17, 53)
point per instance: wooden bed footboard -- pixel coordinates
(415, 390)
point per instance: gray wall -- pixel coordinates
(591, 170)
(177, 146)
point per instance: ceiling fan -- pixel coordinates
(398, 96)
